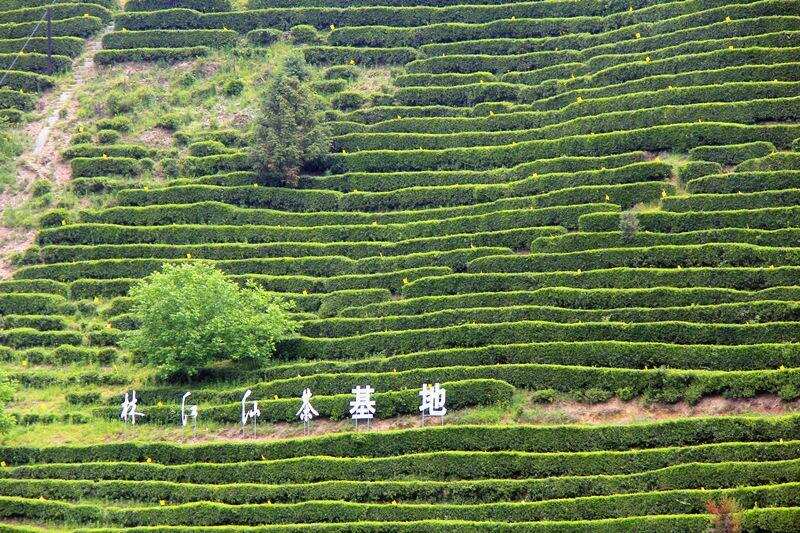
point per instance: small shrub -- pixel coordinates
(295, 66)
(41, 187)
(789, 393)
(594, 395)
(341, 72)
(205, 148)
(171, 121)
(698, 169)
(6, 393)
(121, 124)
(544, 396)
(693, 394)
(83, 137)
(233, 87)
(191, 315)
(304, 34)
(626, 394)
(629, 224)
(264, 37)
(725, 516)
(348, 101)
(108, 136)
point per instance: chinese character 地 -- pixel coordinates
(433, 400)
(129, 412)
(363, 407)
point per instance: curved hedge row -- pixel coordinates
(674, 222)
(169, 39)
(691, 255)
(745, 182)
(74, 27)
(108, 57)
(514, 238)
(741, 278)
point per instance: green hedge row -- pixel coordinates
(681, 476)
(594, 26)
(74, 27)
(59, 11)
(579, 240)
(745, 182)
(8, 5)
(199, 234)
(61, 355)
(525, 438)
(108, 57)
(38, 322)
(749, 112)
(460, 394)
(131, 151)
(563, 166)
(775, 520)
(776, 161)
(732, 201)
(672, 222)
(455, 95)
(104, 166)
(573, 298)
(364, 57)
(36, 63)
(28, 338)
(593, 507)
(693, 255)
(741, 278)
(31, 303)
(655, 138)
(323, 17)
(514, 239)
(26, 81)
(170, 39)
(471, 335)
(100, 184)
(322, 266)
(658, 35)
(613, 354)
(393, 281)
(733, 313)
(732, 154)
(199, 5)
(17, 100)
(494, 64)
(45, 286)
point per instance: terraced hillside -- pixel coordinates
(25, 70)
(524, 200)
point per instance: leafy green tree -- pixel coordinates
(289, 134)
(192, 315)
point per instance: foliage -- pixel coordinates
(191, 316)
(288, 133)
(6, 393)
(726, 515)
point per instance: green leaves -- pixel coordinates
(191, 315)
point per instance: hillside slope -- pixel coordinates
(572, 199)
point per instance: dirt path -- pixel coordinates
(42, 160)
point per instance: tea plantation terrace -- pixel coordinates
(596, 198)
(25, 70)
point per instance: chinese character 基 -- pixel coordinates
(363, 407)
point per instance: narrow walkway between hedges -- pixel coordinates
(42, 159)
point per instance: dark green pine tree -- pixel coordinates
(289, 134)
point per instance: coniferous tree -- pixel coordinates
(289, 134)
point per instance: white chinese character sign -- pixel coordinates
(188, 412)
(306, 412)
(433, 401)
(363, 406)
(249, 414)
(129, 412)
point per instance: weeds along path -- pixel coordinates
(41, 159)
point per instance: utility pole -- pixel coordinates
(49, 16)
